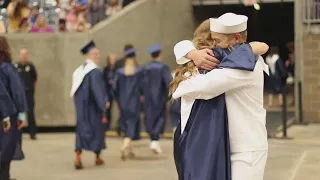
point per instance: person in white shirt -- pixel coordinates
(244, 98)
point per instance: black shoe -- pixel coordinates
(118, 130)
(33, 138)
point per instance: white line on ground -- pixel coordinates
(296, 168)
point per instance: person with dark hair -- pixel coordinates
(120, 62)
(277, 77)
(35, 12)
(11, 143)
(18, 14)
(156, 80)
(108, 74)
(91, 103)
(127, 89)
(62, 25)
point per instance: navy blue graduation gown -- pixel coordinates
(90, 101)
(277, 80)
(7, 109)
(156, 80)
(12, 140)
(108, 75)
(202, 151)
(175, 112)
(127, 91)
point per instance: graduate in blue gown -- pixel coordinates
(127, 88)
(7, 109)
(108, 74)
(156, 80)
(202, 150)
(91, 103)
(277, 77)
(11, 141)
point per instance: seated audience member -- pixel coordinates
(113, 7)
(62, 25)
(65, 8)
(2, 27)
(35, 12)
(18, 15)
(81, 25)
(96, 11)
(41, 26)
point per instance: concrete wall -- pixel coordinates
(307, 52)
(311, 78)
(57, 55)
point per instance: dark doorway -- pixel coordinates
(273, 23)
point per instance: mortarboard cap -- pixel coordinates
(229, 23)
(130, 52)
(88, 47)
(154, 48)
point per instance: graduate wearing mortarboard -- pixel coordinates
(226, 100)
(127, 90)
(156, 80)
(91, 103)
(15, 88)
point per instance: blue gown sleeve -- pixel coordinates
(97, 89)
(17, 90)
(241, 58)
(7, 107)
(282, 69)
(166, 76)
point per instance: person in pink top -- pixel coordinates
(41, 26)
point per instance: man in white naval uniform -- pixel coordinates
(244, 99)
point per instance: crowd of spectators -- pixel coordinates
(35, 16)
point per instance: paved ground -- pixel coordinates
(51, 158)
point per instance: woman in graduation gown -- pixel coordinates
(14, 86)
(277, 77)
(127, 87)
(108, 74)
(201, 141)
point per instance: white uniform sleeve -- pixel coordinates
(22, 116)
(181, 49)
(214, 83)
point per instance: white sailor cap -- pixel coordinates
(229, 23)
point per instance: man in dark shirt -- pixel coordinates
(28, 74)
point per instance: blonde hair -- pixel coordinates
(129, 66)
(202, 40)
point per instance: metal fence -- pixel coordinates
(311, 11)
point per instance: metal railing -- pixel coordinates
(311, 11)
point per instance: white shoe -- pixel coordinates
(155, 147)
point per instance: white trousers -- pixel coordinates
(248, 165)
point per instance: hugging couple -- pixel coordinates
(222, 133)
